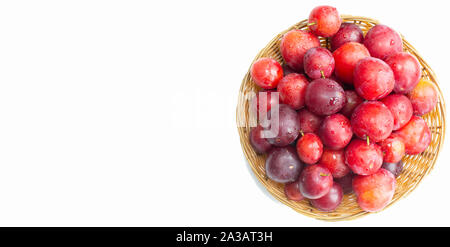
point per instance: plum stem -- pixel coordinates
(368, 140)
(301, 133)
(311, 24)
(323, 75)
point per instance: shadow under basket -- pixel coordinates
(415, 166)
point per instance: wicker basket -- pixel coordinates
(415, 166)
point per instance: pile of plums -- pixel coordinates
(346, 116)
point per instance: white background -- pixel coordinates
(122, 113)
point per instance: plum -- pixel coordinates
(286, 130)
(292, 191)
(324, 97)
(292, 89)
(395, 168)
(324, 21)
(424, 97)
(266, 73)
(373, 79)
(353, 100)
(283, 165)
(318, 62)
(287, 70)
(335, 131)
(346, 57)
(330, 201)
(258, 142)
(382, 41)
(348, 32)
(294, 45)
(373, 120)
(415, 135)
(345, 182)
(406, 70)
(334, 160)
(309, 122)
(315, 181)
(374, 192)
(393, 149)
(309, 148)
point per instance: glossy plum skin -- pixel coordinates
(363, 159)
(309, 122)
(424, 97)
(346, 57)
(315, 181)
(335, 131)
(415, 135)
(258, 142)
(400, 107)
(374, 192)
(406, 70)
(292, 191)
(292, 89)
(382, 41)
(372, 119)
(309, 148)
(318, 60)
(288, 127)
(324, 97)
(346, 183)
(393, 149)
(334, 160)
(326, 20)
(283, 165)
(395, 168)
(373, 79)
(331, 200)
(353, 100)
(294, 45)
(348, 32)
(266, 73)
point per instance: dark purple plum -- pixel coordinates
(324, 97)
(283, 165)
(330, 201)
(345, 182)
(315, 181)
(288, 126)
(353, 100)
(382, 41)
(348, 32)
(259, 143)
(318, 62)
(394, 168)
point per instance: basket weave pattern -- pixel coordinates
(415, 166)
